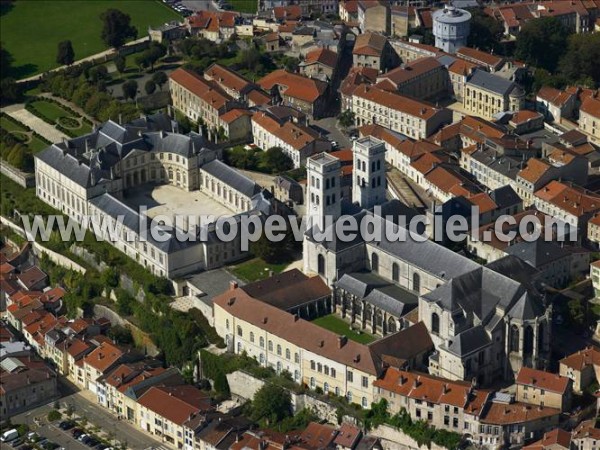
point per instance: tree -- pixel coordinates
(271, 404)
(346, 118)
(250, 58)
(486, 32)
(120, 334)
(582, 59)
(149, 57)
(116, 28)
(542, 42)
(120, 64)
(150, 87)
(276, 161)
(10, 90)
(6, 61)
(130, 89)
(54, 415)
(66, 54)
(160, 78)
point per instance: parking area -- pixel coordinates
(171, 201)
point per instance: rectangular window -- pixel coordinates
(350, 376)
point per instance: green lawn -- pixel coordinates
(245, 6)
(52, 112)
(36, 144)
(255, 269)
(333, 323)
(32, 29)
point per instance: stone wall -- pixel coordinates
(141, 338)
(393, 439)
(23, 179)
(242, 385)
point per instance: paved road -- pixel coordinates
(197, 5)
(84, 406)
(44, 129)
(329, 127)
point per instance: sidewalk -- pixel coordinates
(44, 129)
(70, 105)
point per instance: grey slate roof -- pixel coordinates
(527, 307)
(232, 178)
(505, 197)
(515, 268)
(469, 341)
(491, 82)
(537, 253)
(378, 292)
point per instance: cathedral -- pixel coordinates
(486, 321)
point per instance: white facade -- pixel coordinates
(451, 27)
(368, 181)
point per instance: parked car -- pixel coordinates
(66, 425)
(92, 442)
(32, 436)
(77, 432)
(9, 435)
(16, 443)
(51, 445)
(84, 438)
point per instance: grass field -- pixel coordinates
(333, 323)
(32, 29)
(245, 6)
(255, 269)
(53, 112)
(36, 144)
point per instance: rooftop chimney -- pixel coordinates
(233, 285)
(342, 340)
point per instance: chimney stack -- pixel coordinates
(342, 340)
(233, 285)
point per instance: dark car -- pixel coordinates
(16, 442)
(86, 439)
(77, 432)
(66, 425)
(92, 442)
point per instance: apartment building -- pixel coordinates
(308, 95)
(569, 203)
(401, 114)
(589, 118)
(488, 61)
(348, 10)
(555, 104)
(583, 367)
(296, 141)
(356, 77)
(216, 26)
(487, 94)
(540, 388)
(319, 63)
(489, 419)
(374, 15)
(409, 51)
(459, 72)
(235, 85)
(423, 78)
(163, 412)
(374, 51)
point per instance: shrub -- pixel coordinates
(54, 415)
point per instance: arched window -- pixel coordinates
(270, 346)
(278, 366)
(528, 341)
(395, 272)
(279, 349)
(391, 326)
(312, 382)
(514, 338)
(540, 337)
(239, 331)
(262, 341)
(435, 323)
(287, 353)
(375, 262)
(416, 282)
(321, 264)
(326, 387)
(251, 336)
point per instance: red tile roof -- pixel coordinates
(591, 106)
(397, 102)
(369, 44)
(322, 55)
(485, 58)
(552, 439)
(296, 86)
(589, 356)
(515, 413)
(421, 386)
(291, 12)
(226, 77)
(103, 357)
(348, 435)
(201, 88)
(414, 69)
(234, 114)
(543, 380)
(176, 404)
(574, 200)
(554, 96)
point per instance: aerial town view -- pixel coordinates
(299, 224)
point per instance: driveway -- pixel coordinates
(44, 129)
(329, 128)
